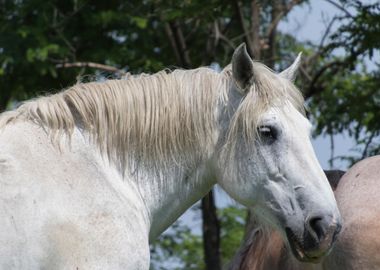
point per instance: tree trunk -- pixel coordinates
(276, 9)
(255, 30)
(4, 102)
(211, 233)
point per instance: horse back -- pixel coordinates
(357, 196)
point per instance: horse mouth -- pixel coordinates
(298, 249)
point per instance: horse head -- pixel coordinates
(267, 161)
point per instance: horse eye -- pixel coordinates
(267, 134)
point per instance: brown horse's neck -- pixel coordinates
(264, 252)
(267, 251)
(262, 249)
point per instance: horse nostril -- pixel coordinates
(316, 227)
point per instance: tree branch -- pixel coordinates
(283, 12)
(365, 150)
(181, 44)
(212, 43)
(305, 74)
(332, 150)
(240, 18)
(321, 49)
(91, 65)
(340, 7)
(255, 29)
(219, 35)
(312, 90)
(173, 43)
(277, 9)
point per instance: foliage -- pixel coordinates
(178, 248)
(233, 219)
(359, 33)
(181, 246)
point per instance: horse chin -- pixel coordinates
(298, 250)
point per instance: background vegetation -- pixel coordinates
(48, 45)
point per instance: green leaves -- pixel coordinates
(140, 22)
(344, 92)
(178, 248)
(232, 219)
(181, 246)
(359, 34)
(41, 54)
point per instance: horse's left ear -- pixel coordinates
(242, 68)
(291, 72)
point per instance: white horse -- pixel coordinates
(90, 176)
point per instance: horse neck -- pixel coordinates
(170, 189)
(166, 195)
(262, 251)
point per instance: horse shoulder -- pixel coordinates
(62, 209)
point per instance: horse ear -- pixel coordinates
(291, 72)
(242, 67)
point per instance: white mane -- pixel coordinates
(156, 119)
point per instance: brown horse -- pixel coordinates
(358, 245)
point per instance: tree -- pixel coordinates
(345, 93)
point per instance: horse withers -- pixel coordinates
(358, 244)
(91, 175)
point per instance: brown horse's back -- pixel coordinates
(358, 192)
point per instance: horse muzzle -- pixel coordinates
(320, 232)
